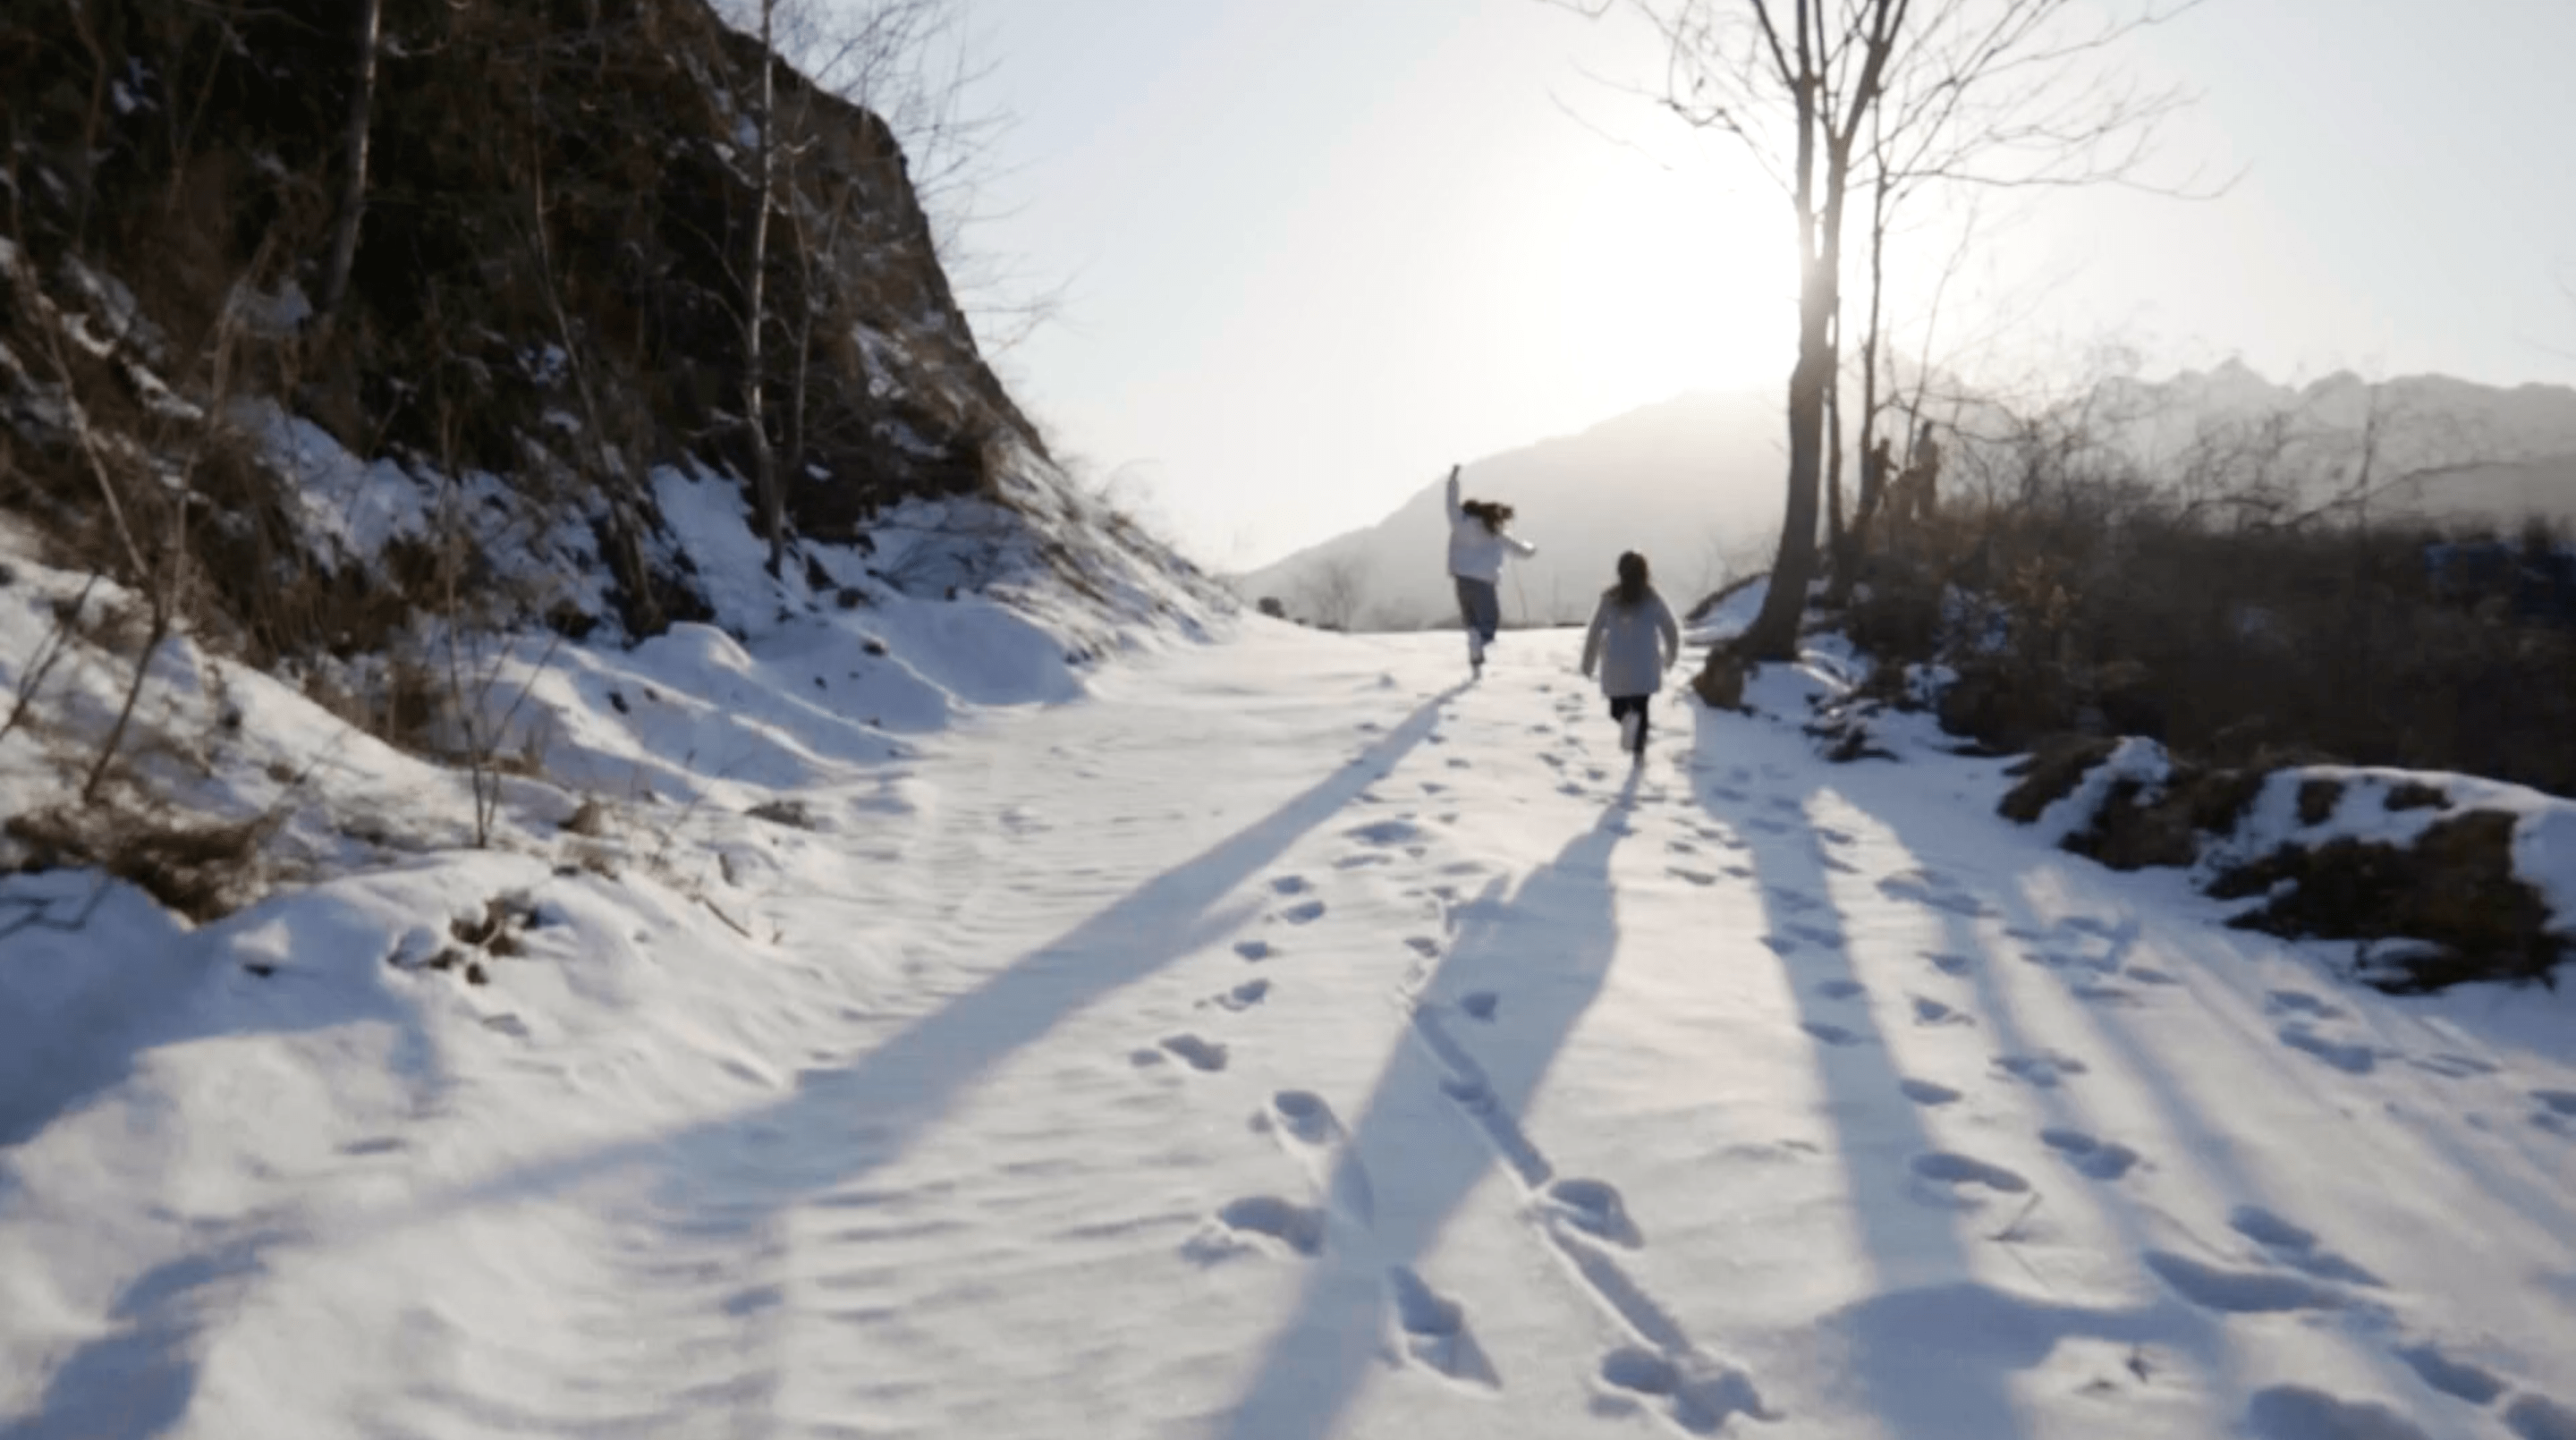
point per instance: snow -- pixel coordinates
(2544, 835)
(1272, 1037)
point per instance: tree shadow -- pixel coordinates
(850, 1120)
(137, 1382)
(2097, 1162)
(1541, 957)
(1912, 1247)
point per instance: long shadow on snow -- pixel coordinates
(2208, 1149)
(1546, 952)
(848, 1121)
(1928, 828)
(1932, 1343)
(139, 1379)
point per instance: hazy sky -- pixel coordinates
(1314, 250)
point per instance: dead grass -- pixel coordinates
(2109, 614)
(201, 869)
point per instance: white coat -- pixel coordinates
(1475, 552)
(1632, 644)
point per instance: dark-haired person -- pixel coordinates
(1478, 545)
(1633, 641)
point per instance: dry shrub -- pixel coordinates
(2113, 611)
(2455, 888)
(201, 869)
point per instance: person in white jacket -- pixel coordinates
(1633, 640)
(1478, 545)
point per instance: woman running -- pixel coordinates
(1633, 640)
(1478, 545)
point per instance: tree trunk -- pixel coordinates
(764, 461)
(1834, 446)
(1852, 552)
(1774, 633)
(353, 194)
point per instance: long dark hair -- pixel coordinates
(1632, 579)
(1493, 512)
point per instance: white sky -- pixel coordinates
(1314, 250)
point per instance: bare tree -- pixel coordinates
(353, 180)
(906, 63)
(1979, 92)
(1334, 591)
(764, 478)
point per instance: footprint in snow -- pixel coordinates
(1842, 989)
(1696, 877)
(1796, 902)
(1303, 912)
(1928, 1011)
(1924, 1092)
(1248, 1223)
(2456, 1378)
(1680, 847)
(2537, 1417)
(2297, 1002)
(1948, 1167)
(2099, 1159)
(2296, 1246)
(1923, 887)
(2102, 992)
(1198, 1054)
(1837, 866)
(1780, 945)
(2239, 1292)
(1814, 934)
(1948, 963)
(1479, 1004)
(2149, 975)
(1461, 762)
(1829, 1034)
(2453, 1067)
(2350, 1058)
(2042, 1070)
(1770, 826)
(1595, 1208)
(1313, 1135)
(1364, 859)
(1700, 1404)
(2557, 1112)
(1434, 1330)
(1292, 885)
(1398, 831)
(1244, 996)
(1423, 945)
(2295, 1412)
(2094, 926)
(1255, 949)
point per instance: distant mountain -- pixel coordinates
(1694, 482)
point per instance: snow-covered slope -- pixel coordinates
(1277, 1038)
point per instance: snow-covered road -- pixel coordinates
(1292, 1040)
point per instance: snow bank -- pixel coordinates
(2382, 806)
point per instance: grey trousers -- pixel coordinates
(1479, 606)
